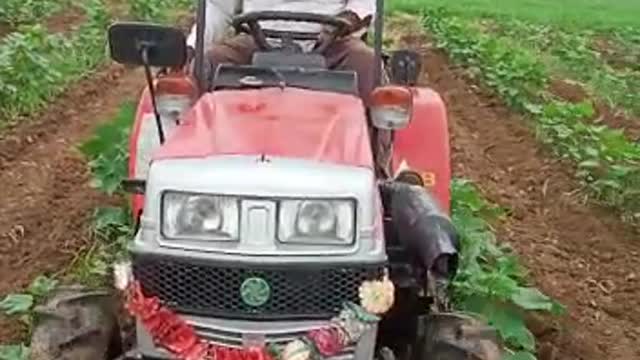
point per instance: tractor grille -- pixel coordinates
(207, 290)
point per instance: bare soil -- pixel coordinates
(618, 119)
(62, 21)
(616, 56)
(65, 20)
(4, 29)
(580, 254)
(604, 114)
(47, 202)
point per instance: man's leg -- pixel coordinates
(354, 54)
(237, 50)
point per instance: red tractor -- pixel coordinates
(277, 216)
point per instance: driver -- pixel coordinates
(348, 52)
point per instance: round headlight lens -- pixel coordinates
(200, 214)
(316, 218)
(200, 217)
(315, 221)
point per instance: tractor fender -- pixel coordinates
(423, 146)
(144, 138)
(144, 110)
(76, 323)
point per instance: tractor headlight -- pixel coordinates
(322, 222)
(200, 217)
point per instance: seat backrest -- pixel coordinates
(281, 59)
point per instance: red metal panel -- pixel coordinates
(423, 146)
(144, 107)
(289, 122)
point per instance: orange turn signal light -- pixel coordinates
(391, 107)
(392, 95)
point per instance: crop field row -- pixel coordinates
(582, 100)
(19, 12)
(37, 64)
(570, 70)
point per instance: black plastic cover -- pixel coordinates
(422, 227)
(283, 60)
(244, 76)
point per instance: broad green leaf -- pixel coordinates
(42, 286)
(520, 355)
(589, 164)
(504, 318)
(16, 304)
(532, 299)
(14, 352)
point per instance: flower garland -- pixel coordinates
(173, 334)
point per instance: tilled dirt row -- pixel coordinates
(47, 202)
(579, 254)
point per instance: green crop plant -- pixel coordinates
(571, 14)
(17, 12)
(36, 66)
(490, 282)
(21, 305)
(573, 54)
(148, 9)
(14, 352)
(158, 10)
(107, 152)
(605, 161)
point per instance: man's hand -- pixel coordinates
(357, 27)
(356, 24)
(191, 54)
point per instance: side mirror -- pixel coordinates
(135, 43)
(405, 67)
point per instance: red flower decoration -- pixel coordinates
(199, 351)
(327, 341)
(181, 340)
(165, 327)
(172, 333)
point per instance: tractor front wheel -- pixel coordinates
(450, 336)
(76, 324)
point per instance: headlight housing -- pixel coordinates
(200, 217)
(320, 222)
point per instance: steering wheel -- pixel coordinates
(250, 23)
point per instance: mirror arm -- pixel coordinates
(383, 153)
(377, 43)
(199, 60)
(144, 53)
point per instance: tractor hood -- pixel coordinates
(290, 122)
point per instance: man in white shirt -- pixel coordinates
(348, 52)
